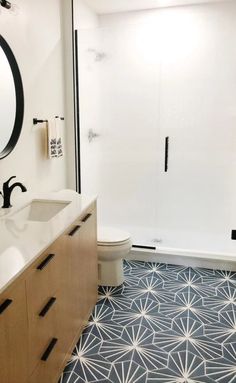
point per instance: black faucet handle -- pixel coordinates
(11, 178)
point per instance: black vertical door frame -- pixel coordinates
(76, 103)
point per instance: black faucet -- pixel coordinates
(7, 190)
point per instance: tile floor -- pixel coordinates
(166, 324)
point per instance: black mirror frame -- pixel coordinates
(19, 92)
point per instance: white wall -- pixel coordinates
(84, 16)
(35, 36)
(168, 72)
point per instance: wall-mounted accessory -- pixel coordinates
(40, 121)
(37, 121)
(166, 153)
(7, 190)
(54, 137)
(11, 99)
(5, 4)
(61, 118)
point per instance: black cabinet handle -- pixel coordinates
(86, 217)
(47, 307)
(5, 305)
(166, 153)
(73, 231)
(49, 349)
(45, 261)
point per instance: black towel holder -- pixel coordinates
(37, 121)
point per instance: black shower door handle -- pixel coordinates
(166, 153)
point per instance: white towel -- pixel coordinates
(51, 138)
(59, 137)
(54, 138)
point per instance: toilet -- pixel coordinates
(113, 246)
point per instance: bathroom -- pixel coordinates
(145, 94)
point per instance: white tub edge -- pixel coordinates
(186, 257)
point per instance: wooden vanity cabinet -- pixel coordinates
(47, 309)
(13, 335)
(82, 245)
(74, 293)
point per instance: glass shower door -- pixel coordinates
(119, 104)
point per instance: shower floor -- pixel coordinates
(166, 323)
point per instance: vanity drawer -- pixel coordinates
(51, 362)
(45, 277)
(44, 326)
(13, 335)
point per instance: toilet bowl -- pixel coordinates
(113, 246)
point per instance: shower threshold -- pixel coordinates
(186, 257)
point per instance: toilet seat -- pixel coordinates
(112, 237)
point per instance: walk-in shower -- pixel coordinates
(145, 76)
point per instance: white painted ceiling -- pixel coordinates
(113, 6)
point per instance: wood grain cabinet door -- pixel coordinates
(82, 252)
(13, 335)
(89, 251)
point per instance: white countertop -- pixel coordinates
(21, 242)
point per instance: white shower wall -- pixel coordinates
(168, 72)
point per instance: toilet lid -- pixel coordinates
(108, 235)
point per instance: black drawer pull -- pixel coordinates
(73, 231)
(45, 261)
(86, 217)
(5, 305)
(49, 349)
(47, 307)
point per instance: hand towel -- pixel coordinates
(52, 138)
(59, 137)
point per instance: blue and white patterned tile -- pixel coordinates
(149, 288)
(176, 269)
(101, 324)
(182, 368)
(166, 324)
(191, 282)
(224, 300)
(204, 272)
(223, 370)
(136, 344)
(220, 279)
(151, 269)
(87, 362)
(223, 331)
(189, 305)
(143, 312)
(113, 297)
(128, 372)
(188, 335)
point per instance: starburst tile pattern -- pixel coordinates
(166, 324)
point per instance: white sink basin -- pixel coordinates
(39, 210)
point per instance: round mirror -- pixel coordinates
(11, 100)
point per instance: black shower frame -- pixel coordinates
(76, 103)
